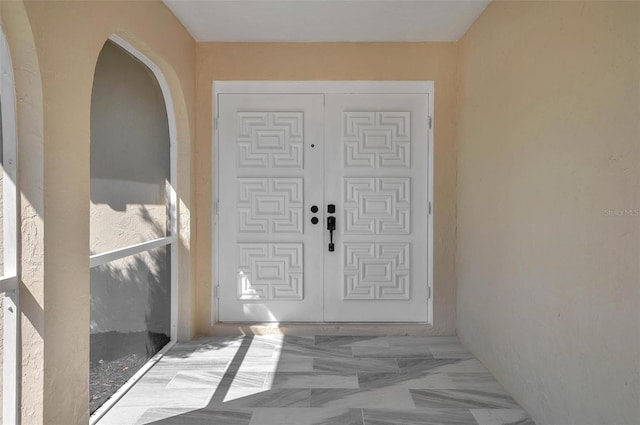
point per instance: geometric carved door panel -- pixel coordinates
(378, 147)
(270, 205)
(377, 206)
(270, 171)
(282, 155)
(377, 271)
(270, 271)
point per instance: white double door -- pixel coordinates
(284, 160)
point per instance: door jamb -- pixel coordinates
(317, 87)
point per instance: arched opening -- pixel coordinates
(8, 239)
(133, 236)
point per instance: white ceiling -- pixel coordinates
(326, 20)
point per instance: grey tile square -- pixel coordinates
(196, 379)
(421, 340)
(195, 417)
(470, 399)
(155, 379)
(427, 380)
(275, 364)
(177, 365)
(175, 397)
(419, 351)
(358, 364)
(315, 351)
(278, 341)
(299, 340)
(314, 416)
(450, 351)
(432, 365)
(206, 348)
(352, 341)
(247, 379)
(418, 417)
(312, 380)
(502, 417)
(122, 415)
(361, 398)
(253, 397)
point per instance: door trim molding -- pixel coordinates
(322, 87)
(317, 87)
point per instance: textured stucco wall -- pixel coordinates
(55, 46)
(548, 156)
(336, 61)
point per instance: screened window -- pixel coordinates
(131, 211)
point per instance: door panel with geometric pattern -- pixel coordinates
(270, 175)
(376, 175)
(281, 155)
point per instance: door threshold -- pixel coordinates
(336, 329)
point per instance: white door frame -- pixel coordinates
(316, 87)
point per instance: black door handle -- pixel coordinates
(331, 227)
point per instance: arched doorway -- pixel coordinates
(133, 218)
(8, 239)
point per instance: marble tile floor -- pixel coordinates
(328, 380)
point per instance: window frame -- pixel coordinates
(10, 207)
(170, 240)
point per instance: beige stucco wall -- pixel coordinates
(336, 61)
(55, 46)
(548, 156)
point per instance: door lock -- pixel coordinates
(331, 227)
